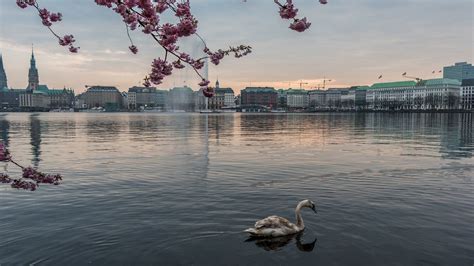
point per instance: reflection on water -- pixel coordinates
(148, 189)
(277, 243)
(35, 131)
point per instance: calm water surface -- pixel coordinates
(162, 189)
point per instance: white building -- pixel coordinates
(317, 98)
(467, 94)
(297, 98)
(229, 98)
(348, 99)
(434, 94)
(35, 99)
(132, 99)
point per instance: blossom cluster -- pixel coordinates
(288, 11)
(149, 16)
(48, 18)
(36, 176)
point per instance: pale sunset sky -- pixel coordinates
(349, 42)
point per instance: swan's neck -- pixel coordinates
(299, 219)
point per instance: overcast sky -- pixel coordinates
(350, 42)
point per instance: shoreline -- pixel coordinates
(286, 112)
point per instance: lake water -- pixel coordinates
(178, 189)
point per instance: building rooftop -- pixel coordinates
(224, 90)
(297, 91)
(395, 84)
(258, 89)
(181, 89)
(361, 87)
(142, 89)
(103, 89)
(437, 82)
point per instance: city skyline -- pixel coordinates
(345, 36)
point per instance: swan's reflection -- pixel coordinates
(277, 243)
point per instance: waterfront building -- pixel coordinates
(348, 98)
(361, 97)
(161, 97)
(223, 98)
(333, 97)
(326, 99)
(297, 99)
(35, 96)
(3, 75)
(60, 98)
(392, 95)
(459, 71)
(108, 97)
(10, 98)
(216, 102)
(467, 94)
(317, 99)
(181, 99)
(229, 97)
(282, 98)
(141, 97)
(80, 102)
(258, 99)
(37, 100)
(434, 94)
(199, 100)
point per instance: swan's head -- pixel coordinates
(309, 204)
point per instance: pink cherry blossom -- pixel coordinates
(36, 176)
(300, 25)
(208, 92)
(66, 40)
(288, 11)
(204, 83)
(133, 49)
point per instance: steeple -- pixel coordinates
(3, 75)
(217, 84)
(33, 77)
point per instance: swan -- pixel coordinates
(275, 226)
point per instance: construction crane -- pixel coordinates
(324, 83)
(303, 83)
(418, 80)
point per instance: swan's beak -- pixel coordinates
(314, 209)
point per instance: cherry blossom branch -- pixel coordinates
(132, 47)
(48, 18)
(147, 15)
(28, 173)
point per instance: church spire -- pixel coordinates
(217, 83)
(33, 77)
(3, 75)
